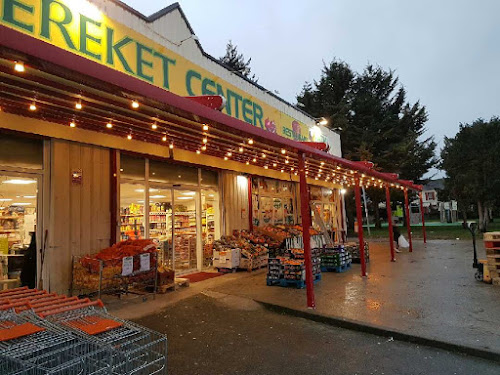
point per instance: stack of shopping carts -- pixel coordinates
(45, 333)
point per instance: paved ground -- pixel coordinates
(430, 293)
(220, 334)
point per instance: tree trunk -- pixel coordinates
(464, 215)
(486, 217)
(481, 219)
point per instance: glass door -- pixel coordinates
(185, 229)
(19, 197)
(160, 222)
(210, 223)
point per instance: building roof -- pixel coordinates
(437, 184)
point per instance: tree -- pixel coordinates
(236, 61)
(471, 161)
(377, 123)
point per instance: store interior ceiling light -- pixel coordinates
(5, 200)
(21, 204)
(184, 198)
(191, 193)
(29, 196)
(158, 196)
(16, 181)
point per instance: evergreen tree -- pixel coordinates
(377, 123)
(236, 61)
(471, 160)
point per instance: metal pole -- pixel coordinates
(306, 224)
(389, 220)
(366, 211)
(407, 211)
(343, 233)
(359, 215)
(423, 218)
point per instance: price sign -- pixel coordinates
(145, 263)
(127, 266)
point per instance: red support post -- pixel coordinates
(250, 204)
(389, 220)
(407, 212)
(422, 213)
(359, 215)
(305, 210)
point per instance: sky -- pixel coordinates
(446, 53)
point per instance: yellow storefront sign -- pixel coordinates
(81, 28)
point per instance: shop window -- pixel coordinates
(210, 223)
(175, 174)
(209, 178)
(21, 152)
(132, 167)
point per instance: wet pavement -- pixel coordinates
(429, 293)
(213, 333)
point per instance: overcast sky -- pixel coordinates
(446, 52)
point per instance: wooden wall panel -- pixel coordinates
(79, 213)
(235, 200)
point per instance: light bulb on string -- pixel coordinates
(205, 140)
(135, 104)
(283, 151)
(205, 127)
(198, 152)
(19, 67)
(109, 125)
(250, 141)
(240, 149)
(154, 126)
(129, 137)
(32, 107)
(72, 124)
(79, 105)
(164, 138)
(171, 146)
(204, 148)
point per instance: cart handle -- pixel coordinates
(26, 292)
(71, 308)
(26, 296)
(14, 305)
(51, 302)
(8, 291)
(58, 304)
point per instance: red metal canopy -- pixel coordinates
(346, 170)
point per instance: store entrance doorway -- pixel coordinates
(186, 249)
(19, 212)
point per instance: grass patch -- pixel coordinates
(448, 232)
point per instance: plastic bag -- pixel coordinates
(403, 243)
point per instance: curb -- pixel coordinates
(385, 332)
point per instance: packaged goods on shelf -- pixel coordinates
(353, 249)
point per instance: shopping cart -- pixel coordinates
(135, 350)
(13, 367)
(38, 347)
